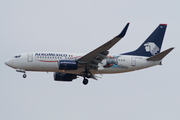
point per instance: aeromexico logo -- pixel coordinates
(151, 47)
(53, 55)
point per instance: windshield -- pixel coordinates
(17, 56)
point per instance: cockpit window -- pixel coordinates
(17, 56)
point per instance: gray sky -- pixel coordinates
(81, 26)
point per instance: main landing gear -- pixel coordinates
(85, 81)
(86, 75)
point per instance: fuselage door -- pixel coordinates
(133, 61)
(30, 57)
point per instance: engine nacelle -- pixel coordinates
(64, 76)
(68, 65)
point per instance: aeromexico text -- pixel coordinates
(53, 54)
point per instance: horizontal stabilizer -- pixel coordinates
(161, 55)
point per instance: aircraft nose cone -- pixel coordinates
(8, 62)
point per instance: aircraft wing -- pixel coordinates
(92, 59)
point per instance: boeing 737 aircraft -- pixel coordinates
(67, 66)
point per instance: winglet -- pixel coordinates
(122, 34)
(161, 55)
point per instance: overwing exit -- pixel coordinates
(67, 66)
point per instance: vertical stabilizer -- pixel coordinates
(152, 44)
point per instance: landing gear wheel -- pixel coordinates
(85, 81)
(88, 74)
(24, 75)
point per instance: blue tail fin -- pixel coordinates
(152, 44)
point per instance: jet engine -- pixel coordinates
(68, 65)
(64, 76)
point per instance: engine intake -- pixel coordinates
(68, 65)
(64, 76)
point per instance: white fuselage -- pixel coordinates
(48, 62)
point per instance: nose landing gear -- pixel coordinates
(24, 75)
(22, 71)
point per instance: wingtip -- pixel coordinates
(164, 24)
(122, 34)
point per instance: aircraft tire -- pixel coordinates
(85, 81)
(24, 75)
(88, 74)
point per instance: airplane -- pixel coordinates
(68, 66)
